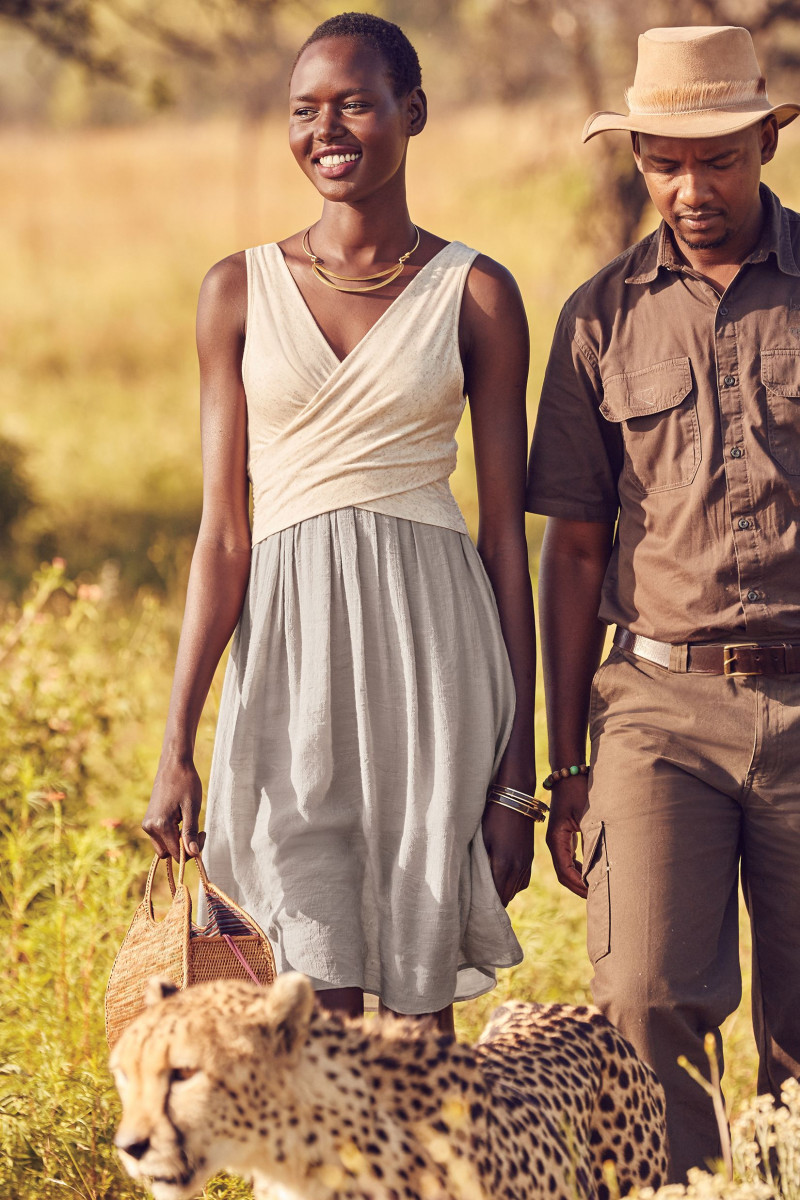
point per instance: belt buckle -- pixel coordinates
(729, 659)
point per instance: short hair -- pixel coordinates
(400, 57)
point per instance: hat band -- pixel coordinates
(694, 98)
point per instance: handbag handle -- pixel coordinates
(171, 876)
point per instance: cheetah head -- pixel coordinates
(185, 1073)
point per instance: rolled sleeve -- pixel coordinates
(576, 455)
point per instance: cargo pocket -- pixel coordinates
(656, 411)
(597, 699)
(780, 374)
(598, 903)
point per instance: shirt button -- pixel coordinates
(736, 452)
(729, 380)
(752, 595)
(744, 523)
(723, 310)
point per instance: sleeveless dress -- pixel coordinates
(368, 695)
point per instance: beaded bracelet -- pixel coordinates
(563, 773)
(520, 802)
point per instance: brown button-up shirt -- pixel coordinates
(677, 412)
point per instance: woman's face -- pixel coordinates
(347, 128)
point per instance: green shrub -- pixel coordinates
(74, 676)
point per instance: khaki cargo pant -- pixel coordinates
(692, 778)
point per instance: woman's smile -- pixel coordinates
(336, 161)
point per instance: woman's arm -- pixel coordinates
(221, 559)
(495, 351)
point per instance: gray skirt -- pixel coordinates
(367, 702)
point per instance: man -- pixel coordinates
(671, 409)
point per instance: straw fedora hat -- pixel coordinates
(694, 81)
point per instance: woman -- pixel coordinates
(370, 696)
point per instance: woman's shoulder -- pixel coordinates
(492, 309)
(490, 283)
(486, 276)
(489, 272)
(227, 274)
(489, 287)
(224, 287)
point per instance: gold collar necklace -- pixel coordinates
(326, 276)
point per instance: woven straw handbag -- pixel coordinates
(229, 946)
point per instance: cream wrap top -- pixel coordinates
(376, 430)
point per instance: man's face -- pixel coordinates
(706, 189)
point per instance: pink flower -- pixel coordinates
(90, 591)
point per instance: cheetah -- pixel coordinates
(262, 1083)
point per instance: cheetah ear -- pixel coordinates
(291, 1002)
(158, 988)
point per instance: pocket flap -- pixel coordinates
(592, 848)
(780, 371)
(651, 390)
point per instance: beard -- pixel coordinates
(701, 243)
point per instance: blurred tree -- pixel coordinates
(69, 28)
(148, 44)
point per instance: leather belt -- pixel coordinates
(735, 658)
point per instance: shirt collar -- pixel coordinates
(776, 236)
(775, 239)
(654, 256)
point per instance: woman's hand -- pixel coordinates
(508, 837)
(174, 810)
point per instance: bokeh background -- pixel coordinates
(141, 141)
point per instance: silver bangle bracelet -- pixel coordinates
(536, 810)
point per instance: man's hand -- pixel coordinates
(570, 799)
(508, 837)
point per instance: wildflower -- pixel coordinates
(52, 797)
(91, 592)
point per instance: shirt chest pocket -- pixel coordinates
(655, 408)
(780, 374)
